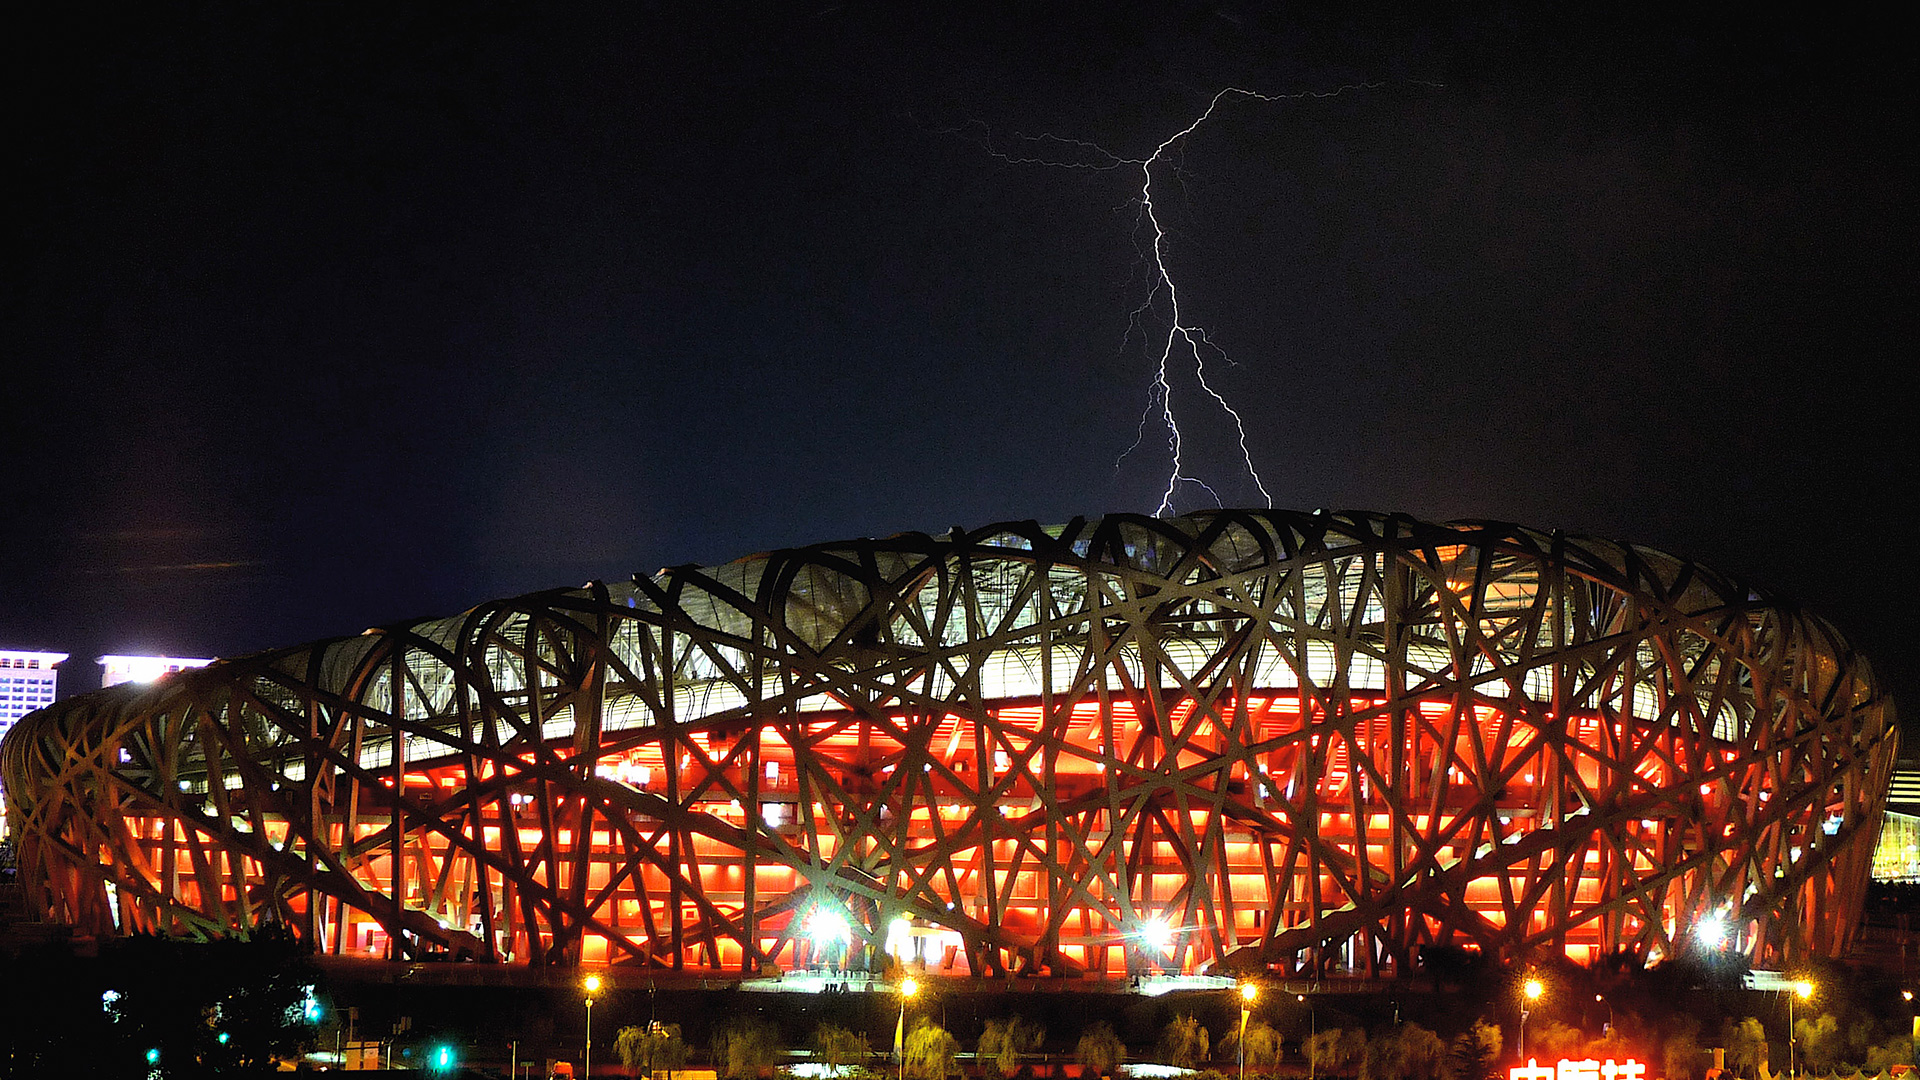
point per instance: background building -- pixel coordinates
(121, 669)
(1293, 742)
(28, 681)
(1897, 857)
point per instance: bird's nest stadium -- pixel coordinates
(1228, 741)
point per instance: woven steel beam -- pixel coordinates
(1226, 740)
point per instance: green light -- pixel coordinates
(443, 1059)
(153, 1055)
(223, 1038)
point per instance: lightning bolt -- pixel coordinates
(1182, 340)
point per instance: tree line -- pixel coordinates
(751, 1047)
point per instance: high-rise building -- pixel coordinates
(27, 682)
(119, 669)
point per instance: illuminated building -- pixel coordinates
(1896, 858)
(1903, 793)
(121, 669)
(28, 681)
(1228, 740)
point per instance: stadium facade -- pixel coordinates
(1225, 741)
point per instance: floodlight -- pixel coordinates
(827, 926)
(1713, 931)
(1157, 933)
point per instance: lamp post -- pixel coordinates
(1530, 992)
(908, 987)
(1313, 1035)
(592, 986)
(1907, 996)
(1802, 990)
(1248, 992)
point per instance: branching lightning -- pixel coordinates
(1182, 339)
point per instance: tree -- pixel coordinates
(1612, 1044)
(1475, 1053)
(1406, 1052)
(745, 1048)
(1895, 1051)
(657, 1047)
(1819, 1041)
(1681, 1055)
(1383, 1057)
(1262, 1044)
(629, 1046)
(1100, 1052)
(1423, 1053)
(1746, 1046)
(1184, 1044)
(1337, 1051)
(931, 1053)
(231, 1005)
(1004, 1041)
(839, 1048)
(1555, 1040)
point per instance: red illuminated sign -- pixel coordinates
(1580, 1069)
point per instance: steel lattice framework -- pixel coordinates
(1268, 738)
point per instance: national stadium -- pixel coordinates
(1227, 742)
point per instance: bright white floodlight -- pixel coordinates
(1712, 931)
(827, 926)
(1157, 933)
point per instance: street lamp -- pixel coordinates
(1248, 992)
(592, 985)
(1907, 996)
(1530, 992)
(908, 987)
(1313, 1035)
(1802, 990)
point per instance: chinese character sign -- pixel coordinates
(1584, 1069)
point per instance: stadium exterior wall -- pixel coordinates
(1230, 740)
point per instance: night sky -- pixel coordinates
(315, 321)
